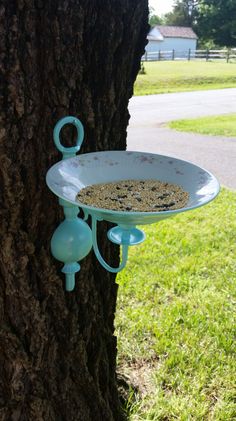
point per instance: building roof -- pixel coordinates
(175, 31)
(155, 35)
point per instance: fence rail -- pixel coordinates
(208, 55)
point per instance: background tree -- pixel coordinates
(153, 18)
(57, 349)
(217, 22)
(183, 14)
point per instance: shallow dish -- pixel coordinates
(68, 177)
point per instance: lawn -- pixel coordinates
(180, 76)
(175, 318)
(222, 125)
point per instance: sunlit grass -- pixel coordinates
(175, 318)
(179, 76)
(222, 125)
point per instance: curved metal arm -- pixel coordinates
(98, 254)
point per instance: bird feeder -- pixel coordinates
(73, 238)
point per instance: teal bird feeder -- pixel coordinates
(73, 239)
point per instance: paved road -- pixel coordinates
(147, 131)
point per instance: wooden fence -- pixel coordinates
(208, 55)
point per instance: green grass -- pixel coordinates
(174, 76)
(175, 317)
(222, 125)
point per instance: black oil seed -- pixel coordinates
(163, 196)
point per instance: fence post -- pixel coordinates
(189, 54)
(173, 54)
(228, 55)
(207, 54)
(159, 55)
(145, 56)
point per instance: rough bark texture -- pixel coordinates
(58, 57)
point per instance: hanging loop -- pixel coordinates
(68, 152)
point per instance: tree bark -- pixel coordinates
(57, 58)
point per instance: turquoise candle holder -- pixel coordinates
(73, 238)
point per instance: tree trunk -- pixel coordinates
(57, 58)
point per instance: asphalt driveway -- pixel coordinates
(147, 130)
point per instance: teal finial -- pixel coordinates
(72, 240)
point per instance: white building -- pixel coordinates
(168, 38)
